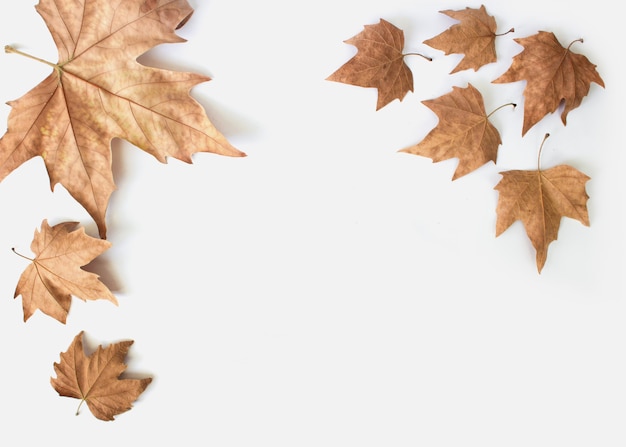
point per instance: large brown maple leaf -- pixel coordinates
(553, 74)
(474, 36)
(463, 131)
(378, 63)
(95, 379)
(55, 274)
(98, 91)
(540, 199)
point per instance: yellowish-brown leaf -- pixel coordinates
(98, 91)
(95, 379)
(540, 199)
(553, 75)
(463, 132)
(474, 37)
(55, 274)
(378, 63)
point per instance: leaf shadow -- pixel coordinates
(102, 267)
(157, 58)
(119, 169)
(227, 121)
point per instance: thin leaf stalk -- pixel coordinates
(502, 106)
(545, 137)
(21, 255)
(512, 30)
(429, 59)
(79, 405)
(58, 68)
(10, 49)
(573, 42)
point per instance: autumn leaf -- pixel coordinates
(98, 91)
(463, 131)
(95, 379)
(540, 199)
(55, 274)
(378, 63)
(474, 36)
(553, 75)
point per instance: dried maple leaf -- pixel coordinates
(378, 63)
(55, 274)
(95, 379)
(539, 199)
(463, 131)
(98, 91)
(553, 75)
(474, 37)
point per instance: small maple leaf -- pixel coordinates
(474, 37)
(553, 75)
(54, 275)
(95, 379)
(463, 131)
(378, 63)
(540, 199)
(98, 91)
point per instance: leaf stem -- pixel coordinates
(503, 105)
(545, 137)
(21, 255)
(79, 405)
(512, 30)
(573, 42)
(10, 49)
(429, 59)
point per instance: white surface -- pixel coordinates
(327, 290)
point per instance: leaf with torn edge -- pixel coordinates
(463, 132)
(96, 379)
(553, 75)
(540, 199)
(55, 274)
(378, 63)
(98, 91)
(474, 37)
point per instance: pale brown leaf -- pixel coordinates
(463, 132)
(540, 199)
(474, 37)
(98, 91)
(96, 379)
(553, 75)
(55, 274)
(378, 63)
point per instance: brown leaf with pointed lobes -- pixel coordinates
(463, 131)
(553, 74)
(98, 91)
(474, 37)
(55, 274)
(539, 199)
(378, 63)
(95, 379)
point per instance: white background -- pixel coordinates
(327, 290)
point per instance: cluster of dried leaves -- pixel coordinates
(98, 91)
(554, 75)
